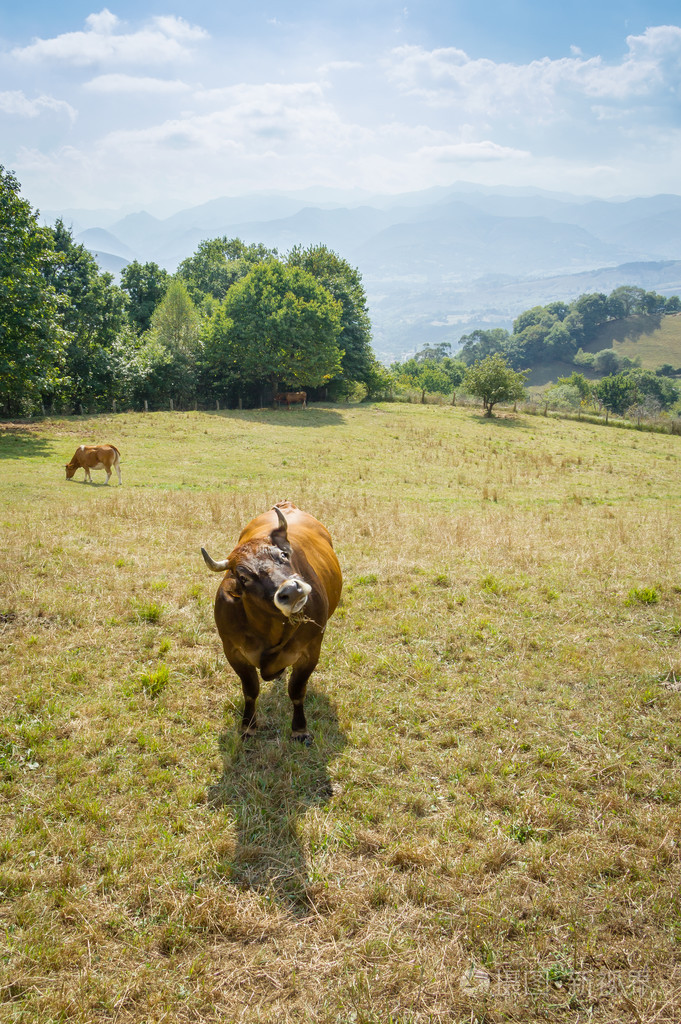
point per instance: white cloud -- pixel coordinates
(409, 118)
(118, 83)
(448, 77)
(472, 152)
(103, 22)
(162, 40)
(17, 103)
(340, 65)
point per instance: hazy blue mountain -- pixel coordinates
(435, 263)
(104, 241)
(109, 262)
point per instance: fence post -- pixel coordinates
(240, 405)
(114, 405)
(171, 405)
(146, 405)
(217, 404)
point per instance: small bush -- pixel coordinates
(154, 683)
(644, 595)
(148, 612)
(490, 585)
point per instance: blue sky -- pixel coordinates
(162, 103)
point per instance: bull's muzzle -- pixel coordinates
(292, 595)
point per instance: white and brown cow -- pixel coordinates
(95, 456)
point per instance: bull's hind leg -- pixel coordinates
(250, 684)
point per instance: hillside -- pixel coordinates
(651, 339)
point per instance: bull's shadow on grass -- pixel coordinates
(268, 784)
(20, 442)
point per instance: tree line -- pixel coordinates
(236, 323)
(560, 330)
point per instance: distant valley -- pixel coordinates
(435, 264)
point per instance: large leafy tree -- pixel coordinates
(494, 381)
(480, 343)
(615, 392)
(169, 357)
(345, 285)
(94, 314)
(217, 264)
(145, 284)
(279, 328)
(31, 337)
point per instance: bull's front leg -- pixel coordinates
(250, 685)
(297, 688)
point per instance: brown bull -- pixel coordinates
(95, 456)
(282, 583)
(291, 397)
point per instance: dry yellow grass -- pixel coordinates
(487, 827)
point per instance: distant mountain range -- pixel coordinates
(435, 264)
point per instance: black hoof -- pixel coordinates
(303, 737)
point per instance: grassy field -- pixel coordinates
(654, 340)
(487, 827)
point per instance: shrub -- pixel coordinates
(644, 595)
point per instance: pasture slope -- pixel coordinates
(487, 825)
(653, 340)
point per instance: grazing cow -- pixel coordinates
(95, 456)
(291, 397)
(282, 583)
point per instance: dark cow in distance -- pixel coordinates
(291, 398)
(95, 456)
(282, 583)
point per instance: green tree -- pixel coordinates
(479, 344)
(31, 338)
(170, 356)
(494, 381)
(615, 393)
(93, 312)
(344, 283)
(579, 381)
(217, 264)
(562, 396)
(625, 301)
(145, 285)
(278, 328)
(592, 310)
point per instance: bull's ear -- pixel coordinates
(279, 535)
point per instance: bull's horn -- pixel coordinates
(212, 564)
(283, 525)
